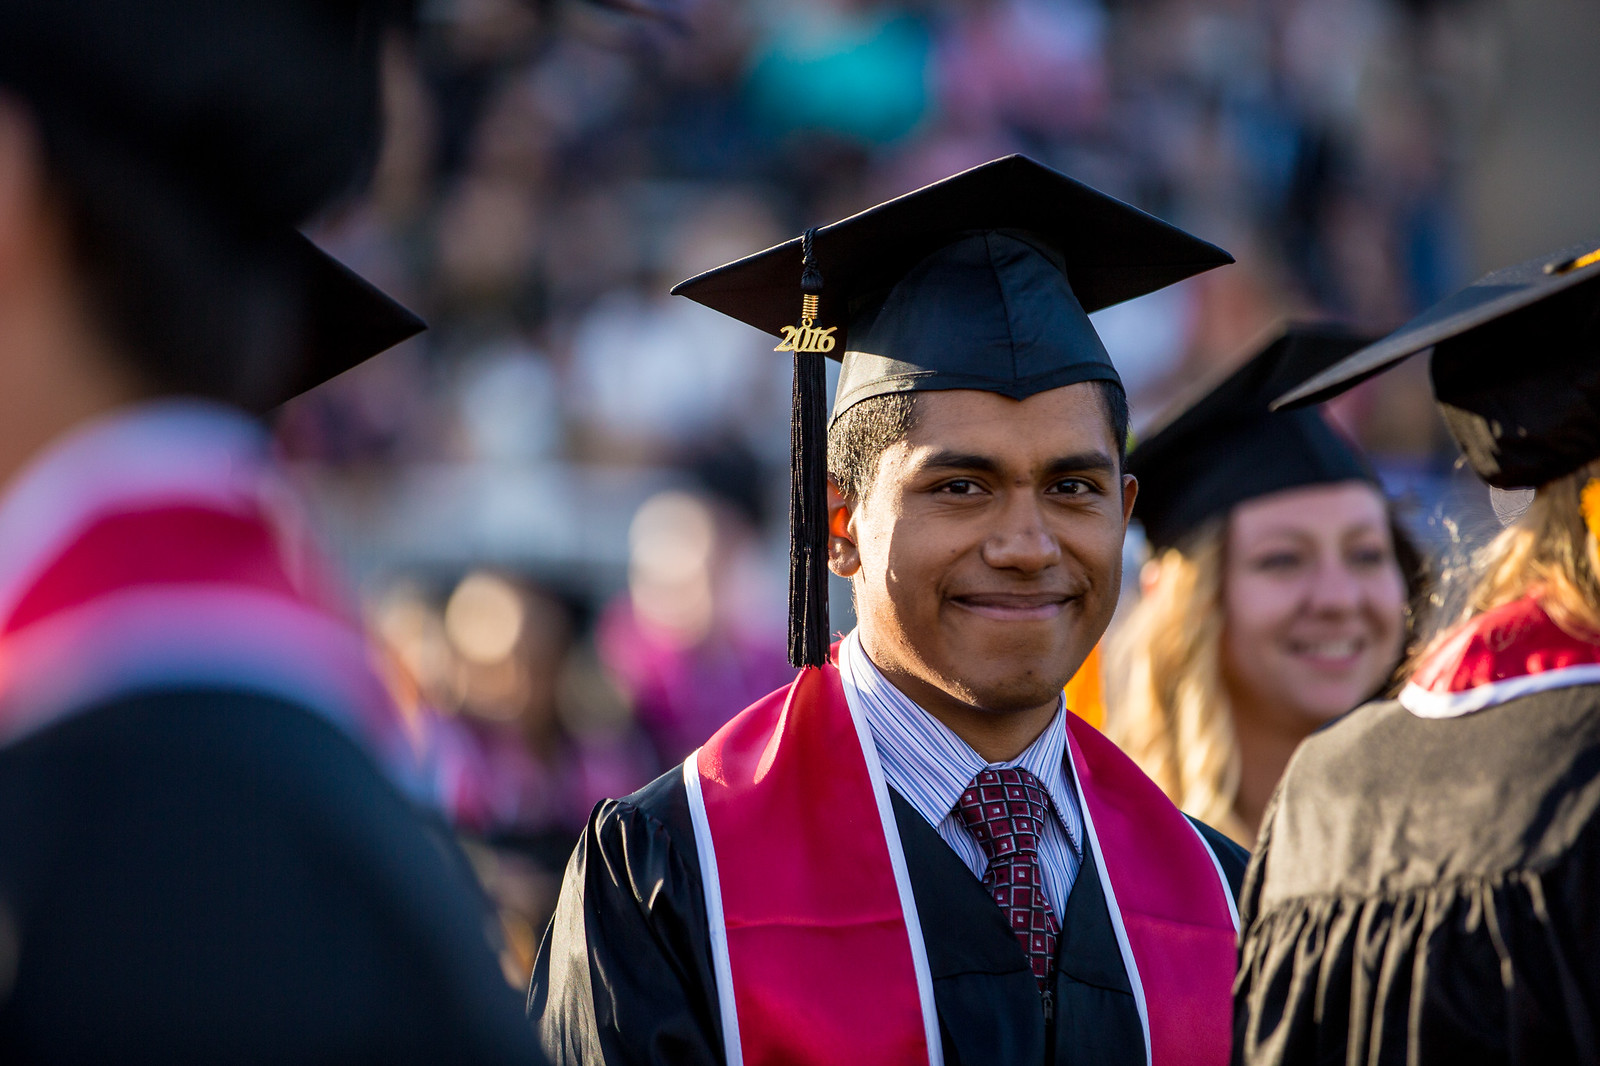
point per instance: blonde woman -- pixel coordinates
(1426, 887)
(1275, 598)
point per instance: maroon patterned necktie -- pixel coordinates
(1005, 810)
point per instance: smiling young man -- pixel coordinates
(984, 544)
(915, 853)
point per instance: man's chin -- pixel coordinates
(1012, 693)
(1013, 678)
(1020, 650)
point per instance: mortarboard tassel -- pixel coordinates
(808, 473)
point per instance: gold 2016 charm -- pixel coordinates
(806, 337)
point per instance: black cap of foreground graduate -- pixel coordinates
(253, 114)
(984, 280)
(1515, 367)
(1220, 445)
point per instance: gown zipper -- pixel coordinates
(1048, 1001)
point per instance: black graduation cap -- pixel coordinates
(1220, 445)
(349, 320)
(261, 111)
(981, 281)
(1515, 367)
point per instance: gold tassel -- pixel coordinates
(1567, 266)
(1589, 501)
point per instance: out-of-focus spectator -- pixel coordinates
(535, 737)
(693, 641)
(528, 735)
(508, 406)
(551, 746)
(853, 69)
(650, 375)
(1038, 66)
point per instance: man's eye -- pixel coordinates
(1072, 487)
(959, 487)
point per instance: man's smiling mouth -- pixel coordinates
(1015, 606)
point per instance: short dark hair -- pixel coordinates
(183, 159)
(190, 299)
(860, 436)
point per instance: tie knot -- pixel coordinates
(1005, 810)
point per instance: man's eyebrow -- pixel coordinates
(1091, 462)
(953, 460)
(1095, 462)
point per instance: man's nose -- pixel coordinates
(1022, 541)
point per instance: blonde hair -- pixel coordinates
(1166, 703)
(1547, 552)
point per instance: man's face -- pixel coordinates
(986, 555)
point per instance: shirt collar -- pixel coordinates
(914, 745)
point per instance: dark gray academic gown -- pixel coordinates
(213, 875)
(625, 974)
(1428, 891)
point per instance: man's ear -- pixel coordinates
(843, 557)
(1130, 492)
(21, 191)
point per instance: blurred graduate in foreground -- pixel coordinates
(915, 853)
(207, 852)
(1426, 887)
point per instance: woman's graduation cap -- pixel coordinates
(981, 281)
(1220, 445)
(1515, 367)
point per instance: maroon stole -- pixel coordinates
(157, 552)
(817, 948)
(1513, 650)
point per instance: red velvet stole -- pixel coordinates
(191, 590)
(821, 967)
(1513, 650)
(1169, 902)
(819, 958)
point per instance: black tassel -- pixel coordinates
(808, 485)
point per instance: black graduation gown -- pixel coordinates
(624, 974)
(217, 876)
(1428, 891)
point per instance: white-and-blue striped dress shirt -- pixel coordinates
(930, 767)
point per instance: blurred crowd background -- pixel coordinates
(565, 503)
